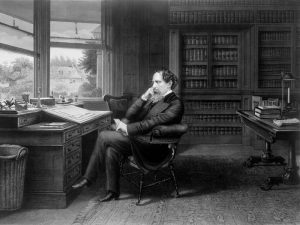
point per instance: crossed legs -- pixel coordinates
(110, 148)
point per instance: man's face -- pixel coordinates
(160, 87)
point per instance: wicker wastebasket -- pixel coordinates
(12, 172)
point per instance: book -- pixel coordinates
(267, 116)
(73, 113)
(267, 111)
(268, 107)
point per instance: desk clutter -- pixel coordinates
(272, 109)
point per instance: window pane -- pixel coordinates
(15, 38)
(73, 72)
(16, 23)
(75, 21)
(71, 32)
(16, 75)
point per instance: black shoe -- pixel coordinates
(81, 184)
(110, 196)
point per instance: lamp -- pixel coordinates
(286, 76)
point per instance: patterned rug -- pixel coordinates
(213, 191)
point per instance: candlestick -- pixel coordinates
(288, 96)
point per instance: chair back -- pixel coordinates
(118, 105)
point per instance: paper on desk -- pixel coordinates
(292, 121)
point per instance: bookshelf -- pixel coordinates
(211, 62)
(225, 52)
(274, 55)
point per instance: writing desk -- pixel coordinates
(266, 129)
(58, 153)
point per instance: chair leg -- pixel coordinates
(141, 188)
(171, 167)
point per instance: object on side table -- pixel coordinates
(286, 78)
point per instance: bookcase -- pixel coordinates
(225, 52)
(210, 63)
(210, 60)
(274, 55)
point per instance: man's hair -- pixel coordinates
(168, 76)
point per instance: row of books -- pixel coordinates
(267, 112)
(269, 83)
(198, 54)
(212, 105)
(275, 52)
(194, 71)
(195, 40)
(225, 83)
(211, 16)
(218, 83)
(213, 118)
(216, 40)
(230, 16)
(195, 84)
(225, 55)
(199, 130)
(275, 68)
(225, 71)
(275, 36)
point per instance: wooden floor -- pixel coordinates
(214, 189)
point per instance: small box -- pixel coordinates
(16, 119)
(44, 101)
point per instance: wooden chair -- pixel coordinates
(118, 105)
(152, 154)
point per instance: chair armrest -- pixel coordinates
(174, 130)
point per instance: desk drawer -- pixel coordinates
(72, 146)
(73, 159)
(72, 133)
(72, 175)
(89, 127)
(28, 119)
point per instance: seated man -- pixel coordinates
(157, 106)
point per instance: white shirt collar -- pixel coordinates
(168, 92)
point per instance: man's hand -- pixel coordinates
(148, 94)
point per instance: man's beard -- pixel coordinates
(156, 97)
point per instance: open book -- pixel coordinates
(73, 113)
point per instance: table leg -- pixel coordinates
(290, 176)
(266, 159)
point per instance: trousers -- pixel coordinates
(110, 148)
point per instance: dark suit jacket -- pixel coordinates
(142, 116)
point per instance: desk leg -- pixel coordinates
(265, 159)
(290, 176)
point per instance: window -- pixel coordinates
(16, 49)
(77, 47)
(73, 73)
